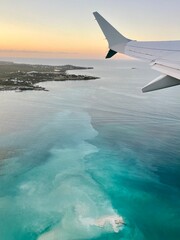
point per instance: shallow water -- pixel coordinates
(84, 151)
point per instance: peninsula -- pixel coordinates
(21, 77)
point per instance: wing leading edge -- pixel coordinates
(164, 56)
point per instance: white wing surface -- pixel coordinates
(164, 56)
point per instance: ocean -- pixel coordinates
(91, 160)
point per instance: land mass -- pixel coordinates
(21, 77)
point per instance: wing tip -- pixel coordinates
(111, 53)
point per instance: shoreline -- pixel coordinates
(23, 77)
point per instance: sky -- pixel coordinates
(67, 28)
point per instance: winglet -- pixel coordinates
(113, 37)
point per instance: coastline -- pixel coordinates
(63, 150)
(22, 77)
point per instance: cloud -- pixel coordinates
(35, 52)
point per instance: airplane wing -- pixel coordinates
(164, 56)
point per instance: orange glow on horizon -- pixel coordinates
(20, 41)
(46, 29)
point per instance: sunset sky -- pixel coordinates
(67, 29)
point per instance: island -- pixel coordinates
(21, 77)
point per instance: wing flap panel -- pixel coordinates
(168, 69)
(161, 82)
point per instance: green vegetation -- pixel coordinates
(22, 77)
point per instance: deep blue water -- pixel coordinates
(88, 150)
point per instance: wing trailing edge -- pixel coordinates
(163, 81)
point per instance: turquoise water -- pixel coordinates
(88, 150)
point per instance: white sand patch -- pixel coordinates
(85, 228)
(115, 221)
